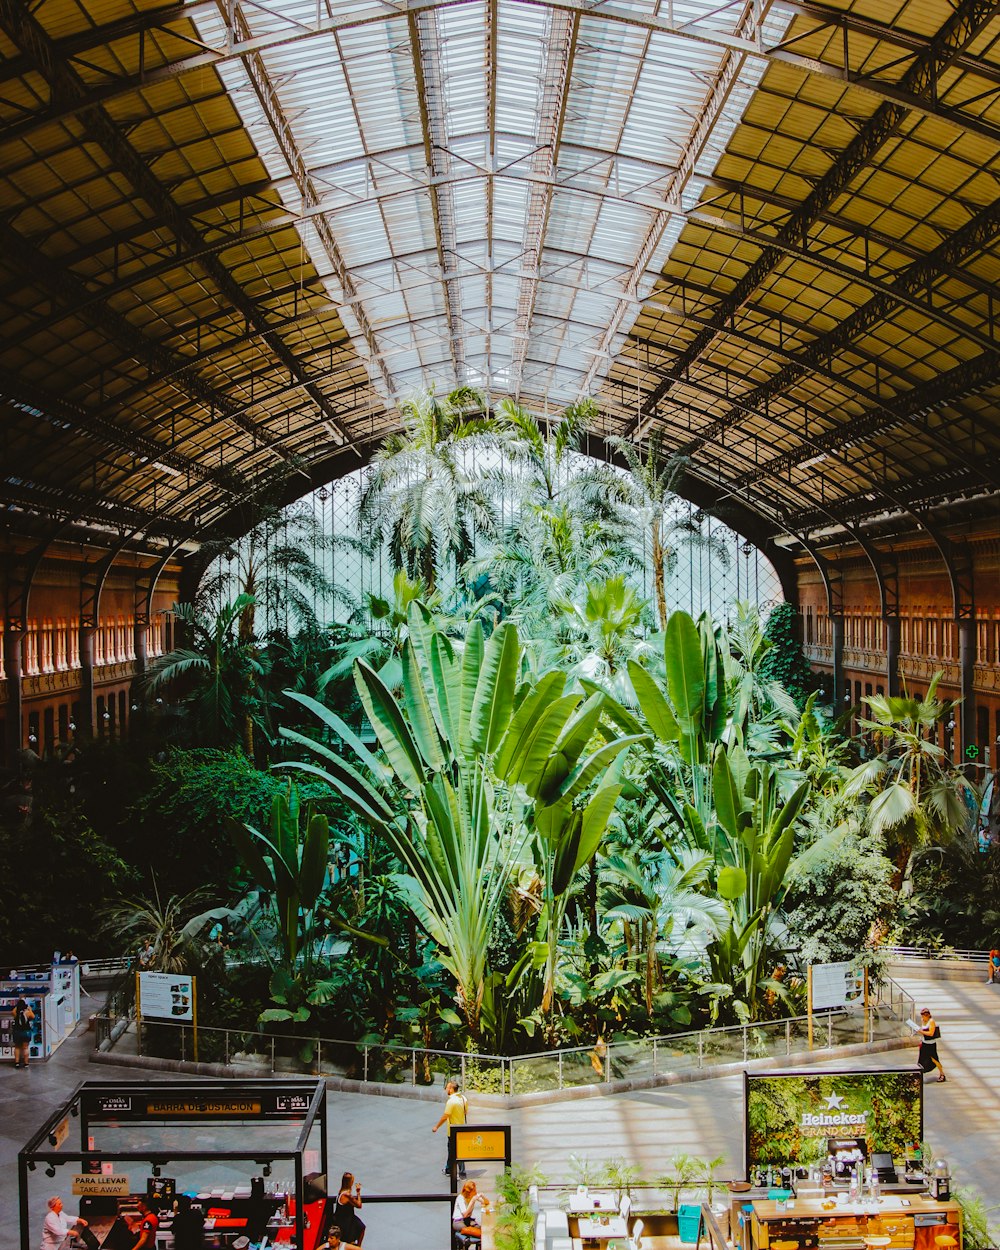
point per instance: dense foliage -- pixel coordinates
(531, 808)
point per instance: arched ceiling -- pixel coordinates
(232, 234)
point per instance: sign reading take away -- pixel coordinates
(86, 1185)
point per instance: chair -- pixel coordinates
(945, 1241)
(635, 1240)
(625, 1207)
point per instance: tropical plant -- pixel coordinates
(291, 865)
(644, 499)
(917, 797)
(463, 725)
(514, 1228)
(173, 931)
(420, 496)
(219, 672)
(785, 662)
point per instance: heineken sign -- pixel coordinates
(834, 1118)
(790, 1115)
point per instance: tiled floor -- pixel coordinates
(388, 1143)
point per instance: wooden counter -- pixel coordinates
(807, 1223)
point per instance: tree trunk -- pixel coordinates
(659, 572)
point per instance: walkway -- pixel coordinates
(388, 1141)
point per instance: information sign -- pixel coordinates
(834, 985)
(202, 1106)
(86, 1185)
(166, 996)
(60, 1132)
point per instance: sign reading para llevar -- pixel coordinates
(86, 1185)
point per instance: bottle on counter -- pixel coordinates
(853, 1195)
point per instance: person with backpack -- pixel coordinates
(21, 1032)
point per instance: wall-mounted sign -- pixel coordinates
(60, 1132)
(87, 1186)
(291, 1102)
(166, 996)
(109, 1104)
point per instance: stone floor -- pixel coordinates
(387, 1142)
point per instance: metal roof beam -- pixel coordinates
(957, 32)
(230, 47)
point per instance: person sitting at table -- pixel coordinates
(465, 1218)
(348, 1204)
(333, 1241)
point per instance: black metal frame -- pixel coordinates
(81, 1104)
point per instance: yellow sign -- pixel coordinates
(61, 1132)
(86, 1185)
(171, 1106)
(488, 1144)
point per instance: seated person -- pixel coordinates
(465, 1218)
(57, 1225)
(333, 1241)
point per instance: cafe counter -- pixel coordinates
(900, 1222)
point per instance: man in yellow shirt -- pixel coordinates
(456, 1110)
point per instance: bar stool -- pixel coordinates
(784, 1245)
(945, 1241)
(877, 1241)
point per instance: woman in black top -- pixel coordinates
(929, 1034)
(21, 1032)
(345, 1216)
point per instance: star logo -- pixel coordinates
(835, 1102)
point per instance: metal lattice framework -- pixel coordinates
(232, 235)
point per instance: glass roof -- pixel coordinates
(493, 186)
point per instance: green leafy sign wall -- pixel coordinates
(789, 1117)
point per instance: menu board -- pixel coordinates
(166, 996)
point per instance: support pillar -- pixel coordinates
(967, 673)
(12, 651)
(140, 639)
(837, 625)
(892, 637)
(85, 723)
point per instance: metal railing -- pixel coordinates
(256, 1050)
(944, 954)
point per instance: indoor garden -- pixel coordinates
(497, 748)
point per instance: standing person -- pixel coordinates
(188, 1225)
(145, 1224)
(21, 1033)
(994, 967)
(929, 1035)
(57, 1225)
(345, 1215)
(456, 1111)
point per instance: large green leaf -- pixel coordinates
(586, 772)
(446, 675)
(390, 727)
(339, 727)
(596, 815)
(522, 724)
(248, 849)
(728, 799)
(685, 672)
(494, 701)
(349, 783)
(472, 663)
(538, 753)
(315, 857)
(655, 707)
(418, 709)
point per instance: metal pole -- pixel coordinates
(745, 1040)
(654, 1057)
(560, 1069)
(701, 1050)
(829, 1030)
(272, 1054)
(413, 1067)
(366, 1064)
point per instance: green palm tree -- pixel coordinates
(173, 930)
(643, 500)
(917, 797)
(420, 497)
(218, 672)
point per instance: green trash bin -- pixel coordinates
(688, 1223)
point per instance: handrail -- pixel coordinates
(944, 954)
(717, 1239)
(639, 1057)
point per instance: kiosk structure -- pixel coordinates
(53, 994)
(251, 1154)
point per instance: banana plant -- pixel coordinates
(475, 756)
(754, 845)
(291, 864)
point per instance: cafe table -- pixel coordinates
(581, 1204)
(590, 1229)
